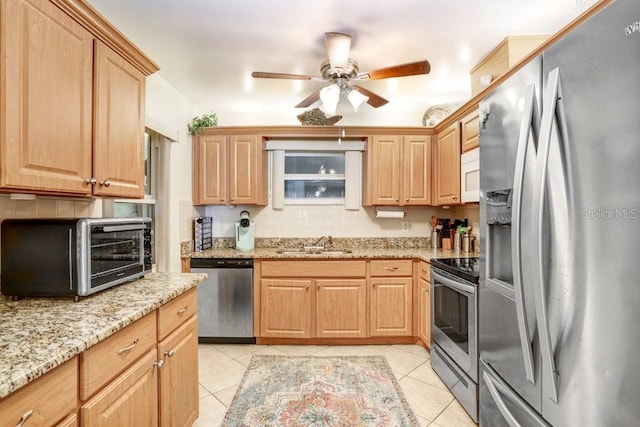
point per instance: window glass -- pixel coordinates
(314, 177)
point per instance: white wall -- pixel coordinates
(170, 112)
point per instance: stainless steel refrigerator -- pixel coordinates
(559, 300)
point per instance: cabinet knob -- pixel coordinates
(169, 353)
(307, 287)
(455, 197)
(90, 181)
(158, 363)
(374, 284)
(25, 417)
(105, 183)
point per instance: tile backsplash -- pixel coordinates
(45, 207)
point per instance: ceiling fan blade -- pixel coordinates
(374, 100)
(266, 75)
(410, 69)
(315, 96)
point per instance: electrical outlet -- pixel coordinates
(405, 225)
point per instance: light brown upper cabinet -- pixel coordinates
(447, 166)
(64, 132)
(47, 73)
(229, 169)
(118, 152)
(470, 126)
(398, 170)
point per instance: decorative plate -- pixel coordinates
(436, 113)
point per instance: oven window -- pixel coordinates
(451, 310)
(114, 253)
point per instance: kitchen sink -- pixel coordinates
(313, 252)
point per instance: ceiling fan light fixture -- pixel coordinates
(357, 99)
(338, 47)
(330, 96)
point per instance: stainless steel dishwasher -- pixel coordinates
(225, 300)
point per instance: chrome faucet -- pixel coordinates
(328, 241)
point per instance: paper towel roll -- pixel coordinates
(390, 214)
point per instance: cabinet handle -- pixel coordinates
(90, 181)
(25, 417)
(391, 268)
(105, 183)
(182, 310)
(125, 349)
(424, 271)
(169, 353)
(158, 364)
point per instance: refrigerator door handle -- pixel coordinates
(529, 120)
(551, 108)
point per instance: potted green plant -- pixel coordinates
(198, 123)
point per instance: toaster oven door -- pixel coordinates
(115, 253)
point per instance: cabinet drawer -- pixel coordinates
(174, 313)
(315, 268)
(102, 362)
(48, 399)
(424, 270)
(391, 267)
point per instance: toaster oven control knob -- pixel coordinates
(105, 183)
(90, 181)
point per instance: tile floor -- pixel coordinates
(222, 367)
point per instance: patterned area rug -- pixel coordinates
(319, 392)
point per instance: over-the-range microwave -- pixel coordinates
(72, 257)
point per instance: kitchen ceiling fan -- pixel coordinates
(340, 70)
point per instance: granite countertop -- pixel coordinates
(38, 334)
(424, 254)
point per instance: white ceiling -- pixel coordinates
(207, 49)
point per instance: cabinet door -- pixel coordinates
(470, 125)
(417, 170)
(385, 176)
(246, 170)
(118, 152)
(129, 400)
(424, 314)
(179, 376)
(448, 166)
(43, 401)
(341, 307)
(391, 306)
(46, 99)
(285, 308)
(210, 170)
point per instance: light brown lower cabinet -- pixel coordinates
(335, 298)
(46, 401)
(341, 308)
(131, 399)
(179, 376)
(424, 303)
(146, 374)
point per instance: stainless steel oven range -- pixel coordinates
(454, 327)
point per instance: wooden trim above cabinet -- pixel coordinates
(89, 18)
(363, 132)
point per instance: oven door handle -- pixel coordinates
(458, 286)
(125, 227)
